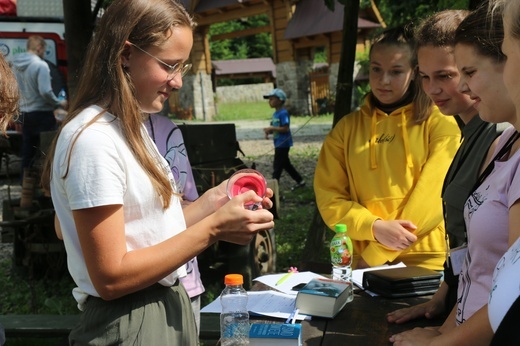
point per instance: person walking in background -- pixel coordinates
(439, 76)
(37, 99)
(380, 169)
(170, 143)
(280, 128)
(125, 232)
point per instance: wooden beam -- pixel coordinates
(231, 14)
(311, 41)
(377, 13)
(272, 30)
(207, 52)
(241, 33)
(244, 75)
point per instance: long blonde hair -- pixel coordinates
(104, 82)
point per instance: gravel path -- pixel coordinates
(303, 156)
(307, 139)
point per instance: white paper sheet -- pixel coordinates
(266, 303)
(287, 285)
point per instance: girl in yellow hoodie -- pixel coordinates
(381, 168)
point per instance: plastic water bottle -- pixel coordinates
(61, 113)
(234, 319)
(341, 257)
(62, 95)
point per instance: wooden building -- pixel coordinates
(298, 27)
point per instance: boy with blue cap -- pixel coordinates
(280, 129)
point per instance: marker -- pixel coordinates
(283, 278)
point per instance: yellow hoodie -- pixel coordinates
(383, 166)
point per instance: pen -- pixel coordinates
(295, 313)
(283, 278)
(292, 317)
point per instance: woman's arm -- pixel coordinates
(514, 222)
(116, 272)
(475, 331)
(333, 196)
(57, 227)
(430, 309)
(424, 205)
(212, 200)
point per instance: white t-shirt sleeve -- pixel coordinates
(96, 175)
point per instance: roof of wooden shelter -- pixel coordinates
(242, 67)
(311, 12)
(314, 18)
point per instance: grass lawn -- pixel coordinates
(260, 111)
(243, 111)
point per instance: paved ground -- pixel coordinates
(253, 129)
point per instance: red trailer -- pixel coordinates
(14, 32)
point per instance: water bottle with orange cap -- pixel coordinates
(234, 319)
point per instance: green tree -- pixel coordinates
(397, 13)
(401, 12)
(253, 46)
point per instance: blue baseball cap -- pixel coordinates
(278, 93)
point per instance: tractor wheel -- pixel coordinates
(259, 258)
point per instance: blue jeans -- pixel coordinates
(33, 124)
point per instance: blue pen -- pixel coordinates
(292, 317)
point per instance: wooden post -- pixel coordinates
(28, 185)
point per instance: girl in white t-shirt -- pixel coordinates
(126, 236)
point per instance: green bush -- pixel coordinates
(21, 295)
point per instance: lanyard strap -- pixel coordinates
(505, 149)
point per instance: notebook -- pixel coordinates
(402, 282)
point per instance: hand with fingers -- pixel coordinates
(395, 234)
(237, 224)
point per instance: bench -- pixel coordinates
(209, 328)
(59, 326)
(38, 326)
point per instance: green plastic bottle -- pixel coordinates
(341, 252)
